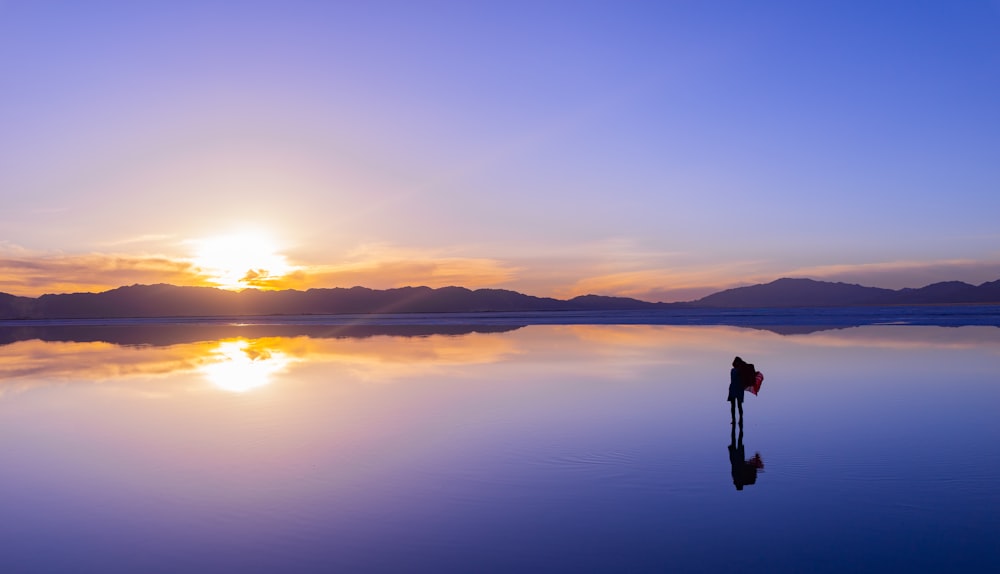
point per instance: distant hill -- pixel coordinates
(810, 293)
(139, 301)
(147, 301)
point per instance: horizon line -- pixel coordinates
(263, 289)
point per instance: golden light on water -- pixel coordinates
(240, 261)
(240, 366)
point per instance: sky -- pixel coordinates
(658, 150)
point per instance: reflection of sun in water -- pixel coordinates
(241, 366)
(240, 261)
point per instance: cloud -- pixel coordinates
(26, 274)
(901, 274)
(32, 274)
(263, 279)
(690, 283)
(147, 238)
(667, 284)
(616, 268)
(471, 273)
(381, 266)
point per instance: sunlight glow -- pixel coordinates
(241, 261)
(241, 366)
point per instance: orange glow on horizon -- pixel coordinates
(236, 262)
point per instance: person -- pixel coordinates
(737, 385)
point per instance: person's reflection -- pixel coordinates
(744, 471)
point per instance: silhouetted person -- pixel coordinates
(737, 386)
(744, 471)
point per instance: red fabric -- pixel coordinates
(758, 380)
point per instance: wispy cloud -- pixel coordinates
(27, 273)
(668, 284)
(618, 267)
(900, 274)
(139, 239)
(382, 266)
(30, 274)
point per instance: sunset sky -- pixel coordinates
(658, 150)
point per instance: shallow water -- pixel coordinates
(558, 448)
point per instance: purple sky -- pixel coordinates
(660, 150)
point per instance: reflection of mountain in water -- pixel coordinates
(788, 321)
(165, 334)
(804, 320)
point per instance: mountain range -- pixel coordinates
(810, 293)
(173, 301)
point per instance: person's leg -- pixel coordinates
(732, 410)
(741, 409)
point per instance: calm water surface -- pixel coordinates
(549, 448)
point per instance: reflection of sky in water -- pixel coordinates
(550, 448)
(240, 366)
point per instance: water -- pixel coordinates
(393, 447)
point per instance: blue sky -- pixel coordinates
(661, 150)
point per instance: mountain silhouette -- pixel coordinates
(149, 301)
(146, 301)
(810, 293)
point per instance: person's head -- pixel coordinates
(738, 362)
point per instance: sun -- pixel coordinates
(239, 261)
